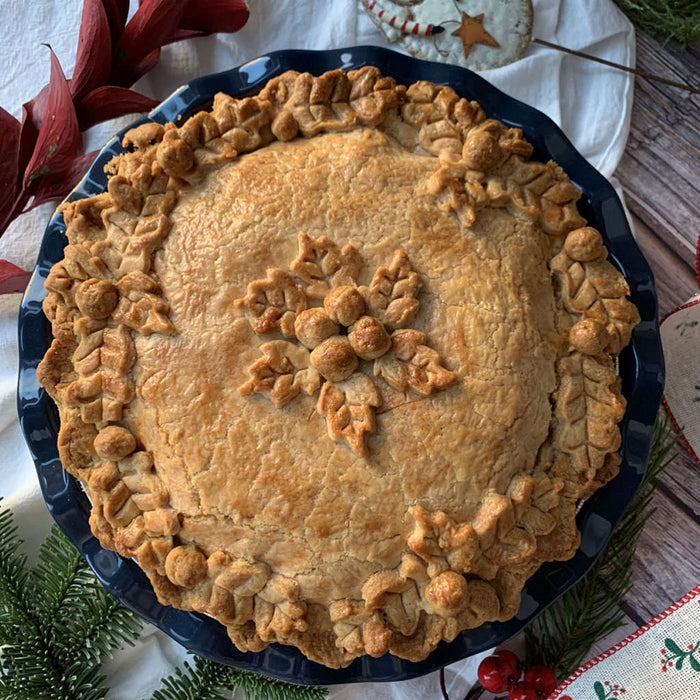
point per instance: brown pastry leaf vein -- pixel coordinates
(322, 265)
(412, 364)
(349, 410)
(283, 372)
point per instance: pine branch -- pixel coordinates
(677, 20)
(96, 624)
(271, 689)
(59, 576)
(199, 683)
(13, 578)
(207, 680)
(57, 623)
(26, 663)
(563, 635)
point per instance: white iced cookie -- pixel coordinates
(478, 34)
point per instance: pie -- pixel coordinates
(334, 363)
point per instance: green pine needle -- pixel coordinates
(207, 680)
(272, 689)
(202, 682)
(58, 625)
(59, 576)
(677, 20)
(563, 635)
(13, 578)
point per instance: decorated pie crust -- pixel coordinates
(334, 363)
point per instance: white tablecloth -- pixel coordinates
(591, 103)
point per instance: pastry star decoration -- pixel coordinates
(472, 31)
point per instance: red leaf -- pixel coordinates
(60, 185)
(58, 141)
(12, 212)
(117, 11)
(128, 75)
(32, 114)
(184, 34)
(34, 109)
(93, 59)
(151, 26)
(12, 278)
(29, 130)
(9, 152)
(213, 16)
(108, 102)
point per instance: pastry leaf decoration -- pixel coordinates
(590, 437)
(594, 291)
(349, 410)
(411, 364)
(336, 341)
(282, 372)
(322, 264)
(391, 296)
(274, 303)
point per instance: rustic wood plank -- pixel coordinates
(660, 175)
(629, 626)
(660, 170)
(680, 483)
(666, 564)
(673, 268)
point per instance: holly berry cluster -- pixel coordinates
(503, 672)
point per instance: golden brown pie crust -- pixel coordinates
(334, 363)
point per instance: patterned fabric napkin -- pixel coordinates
(660, 661)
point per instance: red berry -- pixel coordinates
(493, 675)
(511, 661)
(498, 672)
(524, 690)
(543, 679)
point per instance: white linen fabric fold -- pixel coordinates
(590, 102)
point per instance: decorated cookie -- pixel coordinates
(475, 34)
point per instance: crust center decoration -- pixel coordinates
(334, 329)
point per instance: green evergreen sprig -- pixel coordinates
(57, 623)
(677, 20)
(58, 626)
(207, 680)
(589, 611)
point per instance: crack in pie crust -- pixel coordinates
(333, 363)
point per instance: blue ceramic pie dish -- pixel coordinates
(640, 366)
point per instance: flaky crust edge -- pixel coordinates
(453, 576)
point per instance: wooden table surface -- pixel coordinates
(660, 175)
